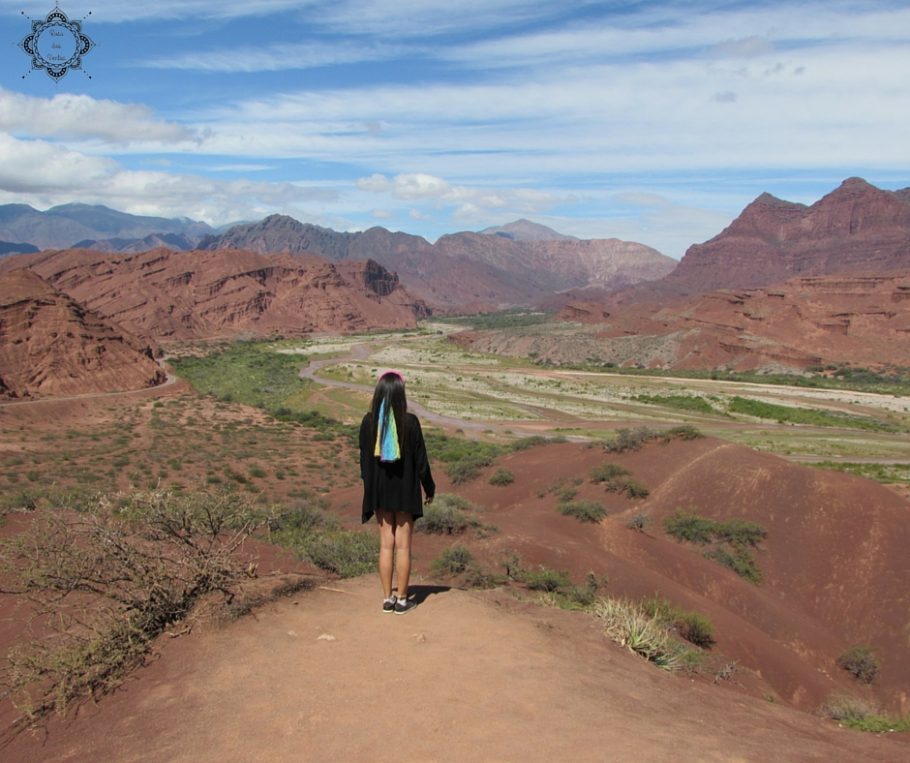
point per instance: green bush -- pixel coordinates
(732, 540)
(740, 532)
(739, 561)
(682, 432)
(693, 627)
(606, 472)
(630, 439)
(467, 469)
(446, 515)
(502, 477)
(688, 526)
(861, 663)
(452, 561)
(545, 579)
(585, 511)
(860, 714)
(347, 553)
(629, 486)
(477, 577)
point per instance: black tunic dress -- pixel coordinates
(395, 486)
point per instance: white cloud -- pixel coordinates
(376, 183)
(746, 47)
(81, 116)
(278, 57)
(38, 167)
(43, 174)
(467, 203)
(118, 11)
(429, 18)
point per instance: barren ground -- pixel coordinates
(466, 676)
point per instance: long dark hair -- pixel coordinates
(390, 388)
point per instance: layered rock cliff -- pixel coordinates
(52, 345)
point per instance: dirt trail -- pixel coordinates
(466, 676)
(361, 352)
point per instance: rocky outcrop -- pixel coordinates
(163, 294)
(52, 345)
(859, 320)
(855, 228)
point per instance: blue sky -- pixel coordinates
(648, 121)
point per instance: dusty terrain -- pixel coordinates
(466, 676)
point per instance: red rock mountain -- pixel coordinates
(855, 228)
(165, 294)
(51, 345)
(465, 269)
(841, 319)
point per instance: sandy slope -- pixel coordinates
(467, 676)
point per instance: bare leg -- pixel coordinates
(404, 524)
(386, 549)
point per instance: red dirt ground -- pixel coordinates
(467, 676)
(494, 678)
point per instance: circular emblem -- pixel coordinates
(56, 44)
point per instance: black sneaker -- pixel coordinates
(403, 606)
(388, 605)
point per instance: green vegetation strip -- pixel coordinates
(894, 381)
(885, 473)
(693, 403)
(464, 459)
(731, 541)
(253, 373)
(812, 416)
(500, 320)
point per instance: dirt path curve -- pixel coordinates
(169, 380)
(362, 352)
(466, 676)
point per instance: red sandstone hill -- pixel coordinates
(855, 228)
(852, 319)
(834, 562)
(849, 319)
(464, 269)
(52, 345)
(191, 295)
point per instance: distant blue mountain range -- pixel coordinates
(88, 225)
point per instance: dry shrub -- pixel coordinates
(861, 663)
(106, 582)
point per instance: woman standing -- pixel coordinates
(393, 466)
